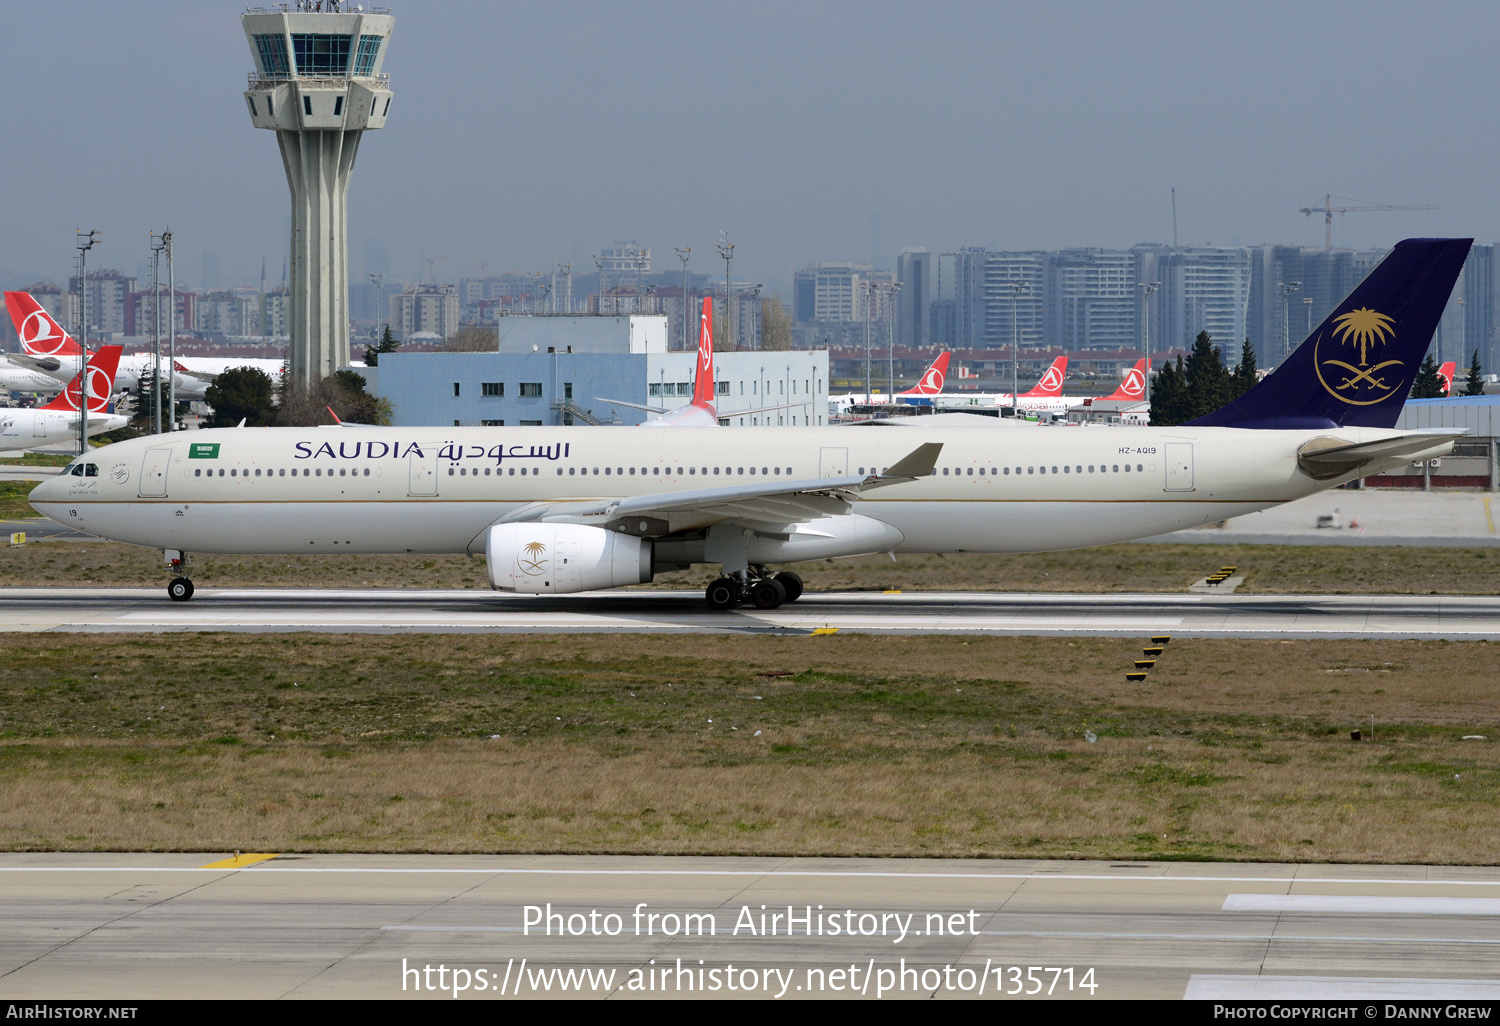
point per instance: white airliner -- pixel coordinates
(50, 350)
(25, 379)
(562, 510)
(928, 386)
(58, 420)
(1045, 397)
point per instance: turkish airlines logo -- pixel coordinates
(932, 381)
(100, 385)
(1134, 383)
(38, 328)
(1051, 381)
(705, 343)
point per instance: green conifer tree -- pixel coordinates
(1428, 384)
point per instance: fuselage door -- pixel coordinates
(423, 475)
(1179, 466)
(833, 462)
(154, 473)
(39, 426)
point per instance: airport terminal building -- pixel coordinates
(553, 371)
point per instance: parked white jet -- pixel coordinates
(560, 510)
(58, 420)
(50, 350)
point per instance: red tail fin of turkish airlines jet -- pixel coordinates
(1133, 387)
(1052, 381)
(703, 376)
(932, 381)
(1446, 372)
(102, 367)
(40, 334)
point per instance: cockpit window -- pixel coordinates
(91, 470)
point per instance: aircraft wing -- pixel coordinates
(766, 502)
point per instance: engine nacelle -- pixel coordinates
(557, 559)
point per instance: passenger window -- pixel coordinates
(970, 472)
(1139, 468)
(1007, 472)
(692, 470)
(221, 473)
(606, 471)
(343, 471)
(198, 472)
(570, 472)
(1031, 470)
(1065, 470)
(1054, 470)
(1041, 470)
(1117, 468)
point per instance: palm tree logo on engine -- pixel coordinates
(532, 559)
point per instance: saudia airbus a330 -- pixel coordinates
(562, 510)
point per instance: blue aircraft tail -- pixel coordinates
(1357, 368)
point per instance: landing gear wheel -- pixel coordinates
(767, 593)
(723, 593)
(792, 583)
(180, 590)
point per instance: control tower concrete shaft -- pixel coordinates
(318, 86)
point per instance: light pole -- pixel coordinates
(599, 263)
(378, 280)
(171, 403)
(1307, 312)
(868, 288)
(84, 244)
(726, 250)
(1147, 288)
(157, 245)
(889, 290)
(1287, 288)
(1016, 290)
(682, 254)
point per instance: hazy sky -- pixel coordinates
(523, 133)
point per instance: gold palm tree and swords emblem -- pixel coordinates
(532, 559)
(1366, 383)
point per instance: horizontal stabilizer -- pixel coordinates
(1328, 457)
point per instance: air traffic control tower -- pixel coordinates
(317, 85)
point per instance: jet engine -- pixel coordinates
(557, 559)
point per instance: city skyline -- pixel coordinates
(867, 129)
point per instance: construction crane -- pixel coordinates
(1328, 210)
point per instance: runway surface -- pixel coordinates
(360, 926)
(657, 612)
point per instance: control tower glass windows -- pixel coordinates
(272, 50)
(369, 49)
(321, 55)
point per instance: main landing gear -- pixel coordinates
(181, 588)
(762, 589)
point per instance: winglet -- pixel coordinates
(920, 462)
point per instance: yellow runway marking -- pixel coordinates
(246, 858)
(825, 630)
(892, 591)
(1487, 514)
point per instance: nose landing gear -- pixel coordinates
(181, 588)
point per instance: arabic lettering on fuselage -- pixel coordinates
(451, 451)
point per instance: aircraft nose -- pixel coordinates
(46, 492)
